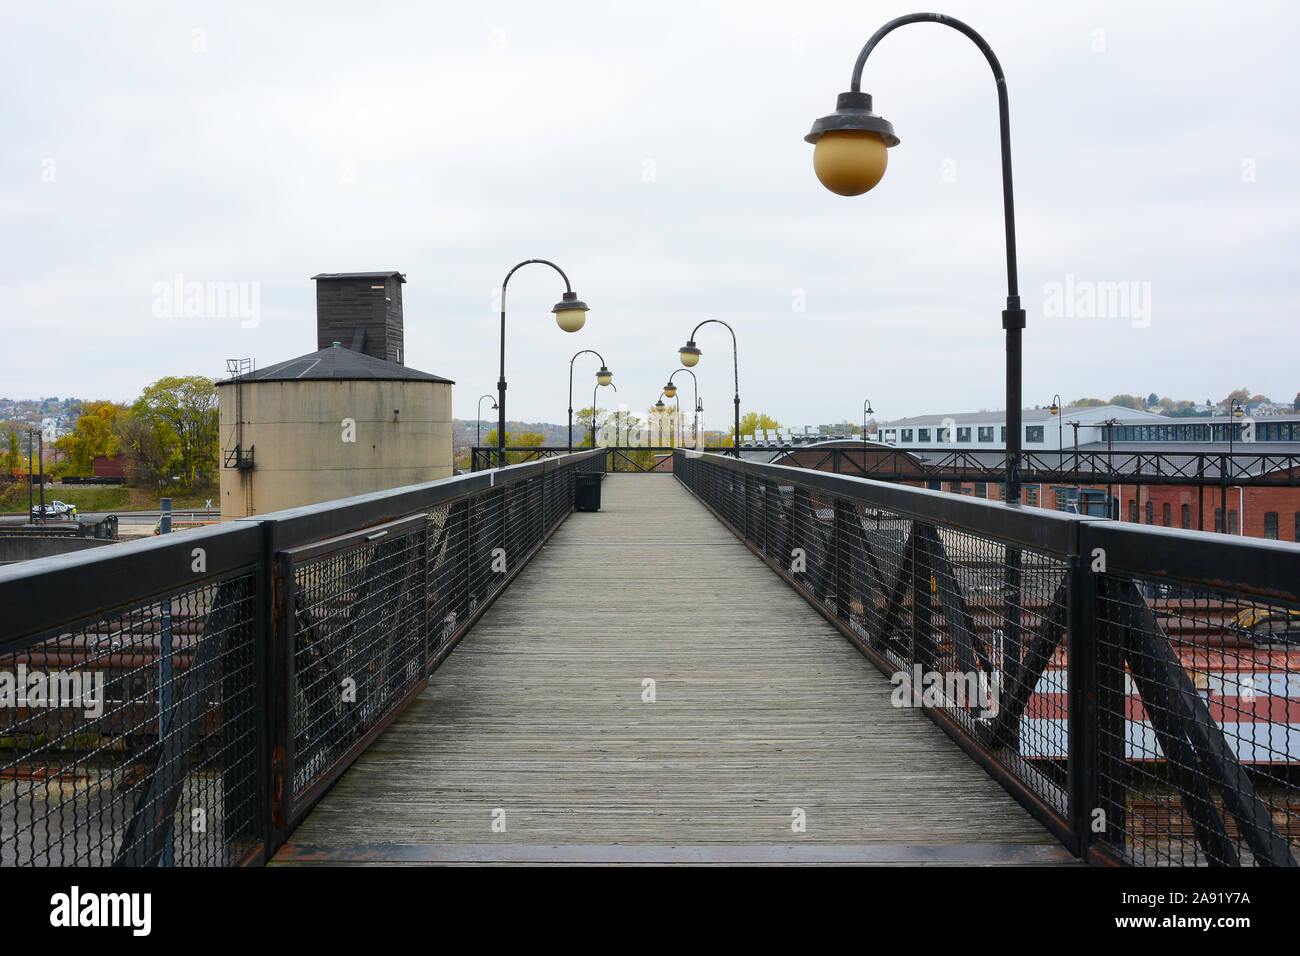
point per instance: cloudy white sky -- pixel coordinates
(656, 152)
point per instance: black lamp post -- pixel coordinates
(690, 357)
(866, 410)
(1056, 409)
(593, 412)
(570, 315)
(478, 422)
(603, 377)
(1235, 409)
(850, 158)
(671, 390)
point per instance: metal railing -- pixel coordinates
(1211, 469)
(185, 699)
(628, 458)
(1137, 689)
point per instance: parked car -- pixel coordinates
(55, 509)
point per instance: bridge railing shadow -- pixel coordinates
(1137, 689)
(186, 699)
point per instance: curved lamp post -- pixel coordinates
(603, 377)
(690, 357)
(593, 409)
(866, 410)
(570, 315)
(478, 422)
(1056, 409)
(671, 390)
(851, 156)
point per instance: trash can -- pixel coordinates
(586, 492)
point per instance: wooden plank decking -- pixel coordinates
(761, 707)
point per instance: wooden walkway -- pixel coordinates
(762, 713)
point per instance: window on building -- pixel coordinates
(923, 434)
(1297, 526)
(1060, 499)
(1133, 511)
(986, 433)
(1151, 511)
(891, 434)
(1270, 524)
(1031, 495)
(982, 491)
(1004, 435)
(1218, 520)
(1232, 521)
(963, 434)
(954, 487)
(907, 434)
(1187, 516)
(1034, 434)
(1169, 515)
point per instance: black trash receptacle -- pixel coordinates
(586, 492)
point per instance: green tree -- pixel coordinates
(752, 422)
(1087, 402)
(94, 434)
(13, 457)
(148, 444)
(524, 439)
(1127, 401)
(184, 408)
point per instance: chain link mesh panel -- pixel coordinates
(131, 738)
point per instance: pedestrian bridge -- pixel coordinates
(732, 662)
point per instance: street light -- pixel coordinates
(866, 410)
(1055, 409)
(570, 315)
(690, 357)
(603, 377)
(850, 158)
(695, 420)
(593, 411)
(1235, 410)
(478, 422)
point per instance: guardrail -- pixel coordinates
(1137, 689)
(640, 458)
(1253, 468)
(185, 699)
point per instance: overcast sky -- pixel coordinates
(656, 152)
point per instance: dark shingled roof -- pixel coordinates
(337, 364)
(361, 275)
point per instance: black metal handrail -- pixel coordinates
(1133, 686)
(196, 693)
(1126, 466)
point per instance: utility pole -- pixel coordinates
(40, 465)
(30, 502)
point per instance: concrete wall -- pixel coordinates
(26, 547)
(297, 434)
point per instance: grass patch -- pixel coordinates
(110, 498)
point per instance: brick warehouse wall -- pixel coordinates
(1284, 502)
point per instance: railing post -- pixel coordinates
(843, 557)
(744, 497)
(1081, 680)
(280, 696)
